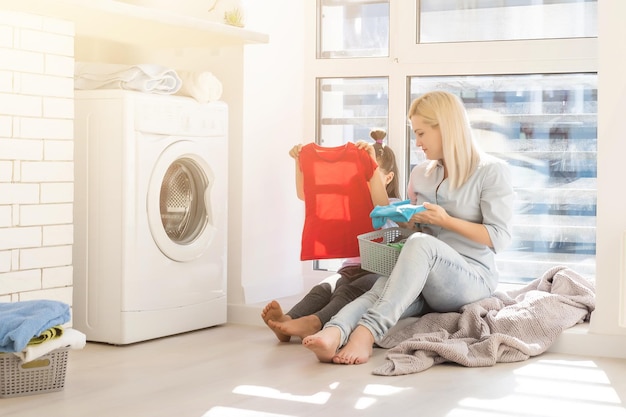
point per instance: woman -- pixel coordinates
(449, 261)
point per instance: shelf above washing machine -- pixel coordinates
(125, 23)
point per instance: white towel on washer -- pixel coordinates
(203, 86)
(148, 78)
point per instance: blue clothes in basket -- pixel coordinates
(400, 211)
(23, 320)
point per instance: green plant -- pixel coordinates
(234, 17)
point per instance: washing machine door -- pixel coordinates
(179, 206)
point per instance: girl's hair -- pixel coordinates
(386, 160)
(446, 111)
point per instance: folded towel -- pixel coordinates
(203, 86)
(399, 211)
(21, 321)
(70, 338)
(148, 78)
(49, 334)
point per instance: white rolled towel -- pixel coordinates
(202, 86)
(148, 78)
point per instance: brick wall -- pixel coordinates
(36, 157)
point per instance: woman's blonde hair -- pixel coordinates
(446, 111)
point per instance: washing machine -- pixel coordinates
(150, 215)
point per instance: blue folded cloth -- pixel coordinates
(400, 211)
(21, 321)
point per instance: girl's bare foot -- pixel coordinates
(358, 349)
(273, 314)
(300, 327)
(324, 343)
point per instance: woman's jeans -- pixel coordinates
(428, 273)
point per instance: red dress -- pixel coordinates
(337, 200)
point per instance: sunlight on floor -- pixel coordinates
(371, 392)
(551, 388)
(238, 412)
(265, 392)
(546, 388)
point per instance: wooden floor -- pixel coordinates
(242, 371)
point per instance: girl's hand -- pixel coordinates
(434, 214)
(295, 151)
(368, 147)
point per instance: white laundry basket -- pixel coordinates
(42, 375)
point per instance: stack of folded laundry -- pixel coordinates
(147, 78)
(31, 329)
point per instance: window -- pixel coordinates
(463, 21)
(353, 28)
(350, 107)
(530, 88)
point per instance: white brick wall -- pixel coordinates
(36, 157)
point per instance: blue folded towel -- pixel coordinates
(400, 211)
(23, 320)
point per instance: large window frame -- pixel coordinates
(409, 59)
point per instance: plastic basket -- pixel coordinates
(41, 375)
(376, 255)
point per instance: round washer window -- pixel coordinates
(181, 201)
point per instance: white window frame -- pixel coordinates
(608, 328)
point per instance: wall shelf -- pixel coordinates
(125, 23)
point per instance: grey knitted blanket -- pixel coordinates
(510, 326)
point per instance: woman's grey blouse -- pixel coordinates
(486, 197)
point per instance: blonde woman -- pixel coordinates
(449, 261)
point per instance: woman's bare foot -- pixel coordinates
(358, 349)
(300, 327)
(324, 343)
(272, 315)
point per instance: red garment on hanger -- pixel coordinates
(337, 200)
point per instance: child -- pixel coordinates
(321, 303)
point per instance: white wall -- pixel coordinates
(36, 157)
(265, 253)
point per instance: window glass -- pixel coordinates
(353, 28)
(349, 108)
(486, 20)
(545, 126)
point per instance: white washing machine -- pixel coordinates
(150, 215)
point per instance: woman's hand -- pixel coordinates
(434, 214)
(295, 151)
(361, 144)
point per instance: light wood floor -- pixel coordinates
(242, 371)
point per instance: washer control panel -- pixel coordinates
(181, 117)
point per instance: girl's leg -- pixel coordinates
(344, 294)
(301, 320)
(279, 322)
(313, 301)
